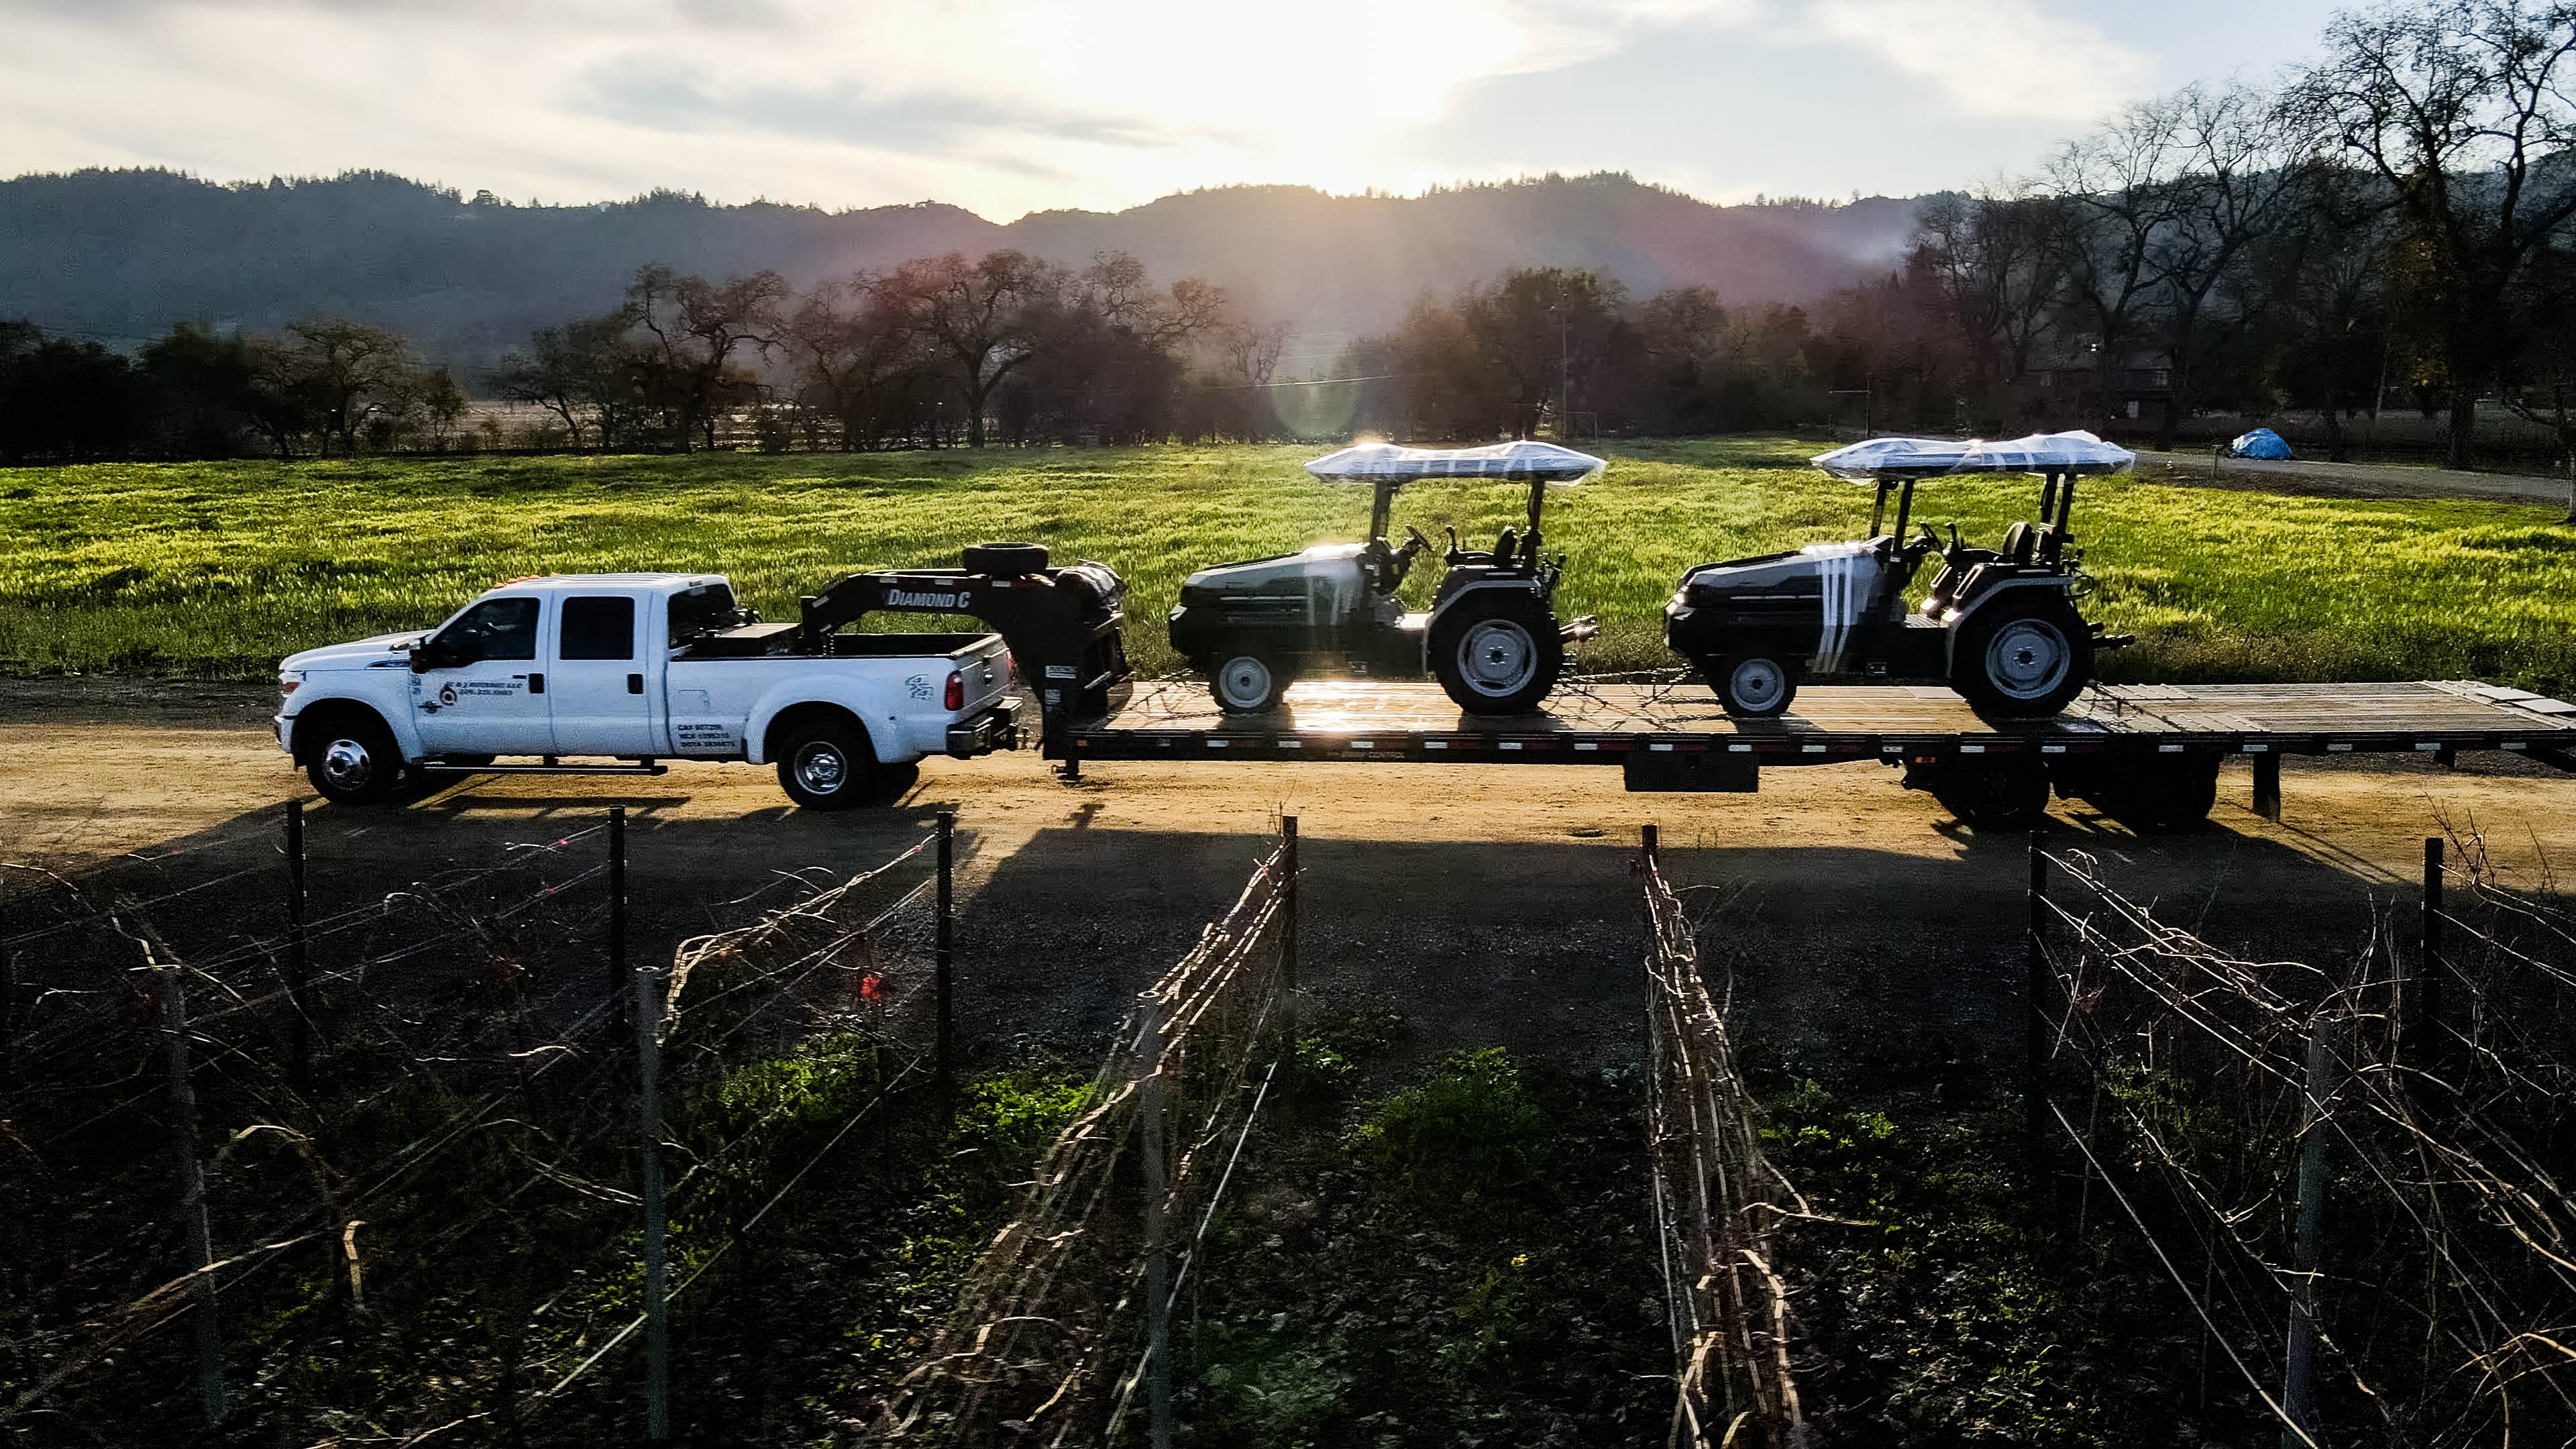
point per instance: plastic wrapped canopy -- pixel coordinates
(1369, 462)
(1878, 458)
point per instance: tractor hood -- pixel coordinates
(1284, 572)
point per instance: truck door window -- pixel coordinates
(597, 629)
(493, 629)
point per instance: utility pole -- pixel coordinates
(1564, 377)
(192, 1189)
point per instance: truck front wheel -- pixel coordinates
(826, 765)
(353, 759)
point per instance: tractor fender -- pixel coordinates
(1953, 623)
(1473, 588)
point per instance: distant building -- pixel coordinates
(2069, 390)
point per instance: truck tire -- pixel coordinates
(2164, 796)
(1248, 683)
(1005, 560)
(1496, 651)
(2002, 795)
(1752, 683)
(352, 759)
(2023, 658)
(827, 765)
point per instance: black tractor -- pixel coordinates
(1491, 636)
(1999, 625)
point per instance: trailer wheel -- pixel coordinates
(353, 759)
(2022, 658)
(1752, 683)
(2010, 795)
(1497, 652)
(1005, 560)
(826, 765)
(2160, 797)
(1247, 684)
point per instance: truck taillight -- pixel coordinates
(956, 696)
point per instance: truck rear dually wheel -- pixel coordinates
(826, 765)
(1497, 652)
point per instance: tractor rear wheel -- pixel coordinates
(1497, 651)
(1752, 683)
(2022, 658)
(1248, 683)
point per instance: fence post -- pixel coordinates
(8, 1002)
(1158, 1268)
(299, 1026)
(192, 1191)
(648, 1113)
(945, 941)
(2267, 786)
(1288, 905)
(2035, 977)
(2299, 1385)
(2423, 1017)
(618, 986)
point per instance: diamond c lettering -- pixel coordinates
(908, 599)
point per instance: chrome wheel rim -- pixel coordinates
(2027, 658)
(821, 768)
(1243, 682)
(348, 764)
(1757, 684)
(1497, 658)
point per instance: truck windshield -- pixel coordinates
(701, 611)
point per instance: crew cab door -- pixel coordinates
(483, 690)
(603, 702)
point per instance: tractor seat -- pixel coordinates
(2019, 543)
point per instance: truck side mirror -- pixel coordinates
(420, 663)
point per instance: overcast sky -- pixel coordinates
(1009, 106)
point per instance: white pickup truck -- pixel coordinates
(638, 668)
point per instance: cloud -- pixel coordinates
(1001, 105)
(1992, 57)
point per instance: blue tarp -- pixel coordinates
(2261, 443)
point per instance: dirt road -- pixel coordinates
(1489, 904)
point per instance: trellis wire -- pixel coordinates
(1057, 1296)
(2448, 1141)
(1717, 1204)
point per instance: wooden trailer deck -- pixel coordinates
(1631, 723)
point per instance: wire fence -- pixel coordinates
(1060, 1335)
(1717, 1201)
(402, 1137)
(2353, 1176)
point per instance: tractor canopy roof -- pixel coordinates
(1933, 457)
(1389, 464)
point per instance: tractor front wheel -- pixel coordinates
(1752, 684)
(2022, 658)
(1247, 684)
(1497, 652)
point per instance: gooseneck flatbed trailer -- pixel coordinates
(2147, 754)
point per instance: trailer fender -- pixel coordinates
(791, 701)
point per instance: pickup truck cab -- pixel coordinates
(628, 670)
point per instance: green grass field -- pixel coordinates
(219, 569)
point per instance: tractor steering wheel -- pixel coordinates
(1413, 538)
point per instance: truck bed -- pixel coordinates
(1606, 723)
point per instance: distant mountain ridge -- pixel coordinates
(121, 255)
